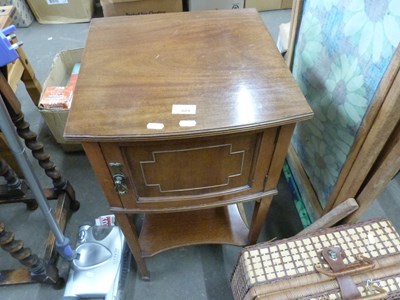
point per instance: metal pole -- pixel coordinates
(9, 131)
(9, 54)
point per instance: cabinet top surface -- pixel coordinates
(180, 74)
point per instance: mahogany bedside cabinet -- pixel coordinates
(185, 116)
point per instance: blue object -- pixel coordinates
(65, 250)
(8, 51)
(76, 68)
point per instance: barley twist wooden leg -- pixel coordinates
(39, 270)
(16, 188)
(9, 175)
(14, 109)
(39, 153)
(59, 183)
(16, 248)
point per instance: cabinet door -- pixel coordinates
(179, 174)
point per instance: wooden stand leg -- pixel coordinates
(129, 229)
(261, 208)
(259, 216)
(23, 128)
(385, 168)
(21, 69)
(32, 85)
(39, 270)
(15, 189)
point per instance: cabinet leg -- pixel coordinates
(260, 212)
(129, 229)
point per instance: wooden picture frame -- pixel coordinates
(374, 142)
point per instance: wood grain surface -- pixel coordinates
(134, 69)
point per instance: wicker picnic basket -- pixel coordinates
(359, 261)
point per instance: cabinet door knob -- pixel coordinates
(119, 184)
(119, 178)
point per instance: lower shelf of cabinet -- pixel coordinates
(221, 225)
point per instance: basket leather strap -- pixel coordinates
(363, 264)
(333, 256)
(348, 289)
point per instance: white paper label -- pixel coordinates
(182, 109)
(156, 126)
(53, 2)
(187, 123)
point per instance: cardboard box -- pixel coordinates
(59, 75)
(22, 16)
(262, 5)
(62, 11)
(286, 4)
(139, 7)
(60, 96)
(215, 4)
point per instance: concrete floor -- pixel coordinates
(198, 272)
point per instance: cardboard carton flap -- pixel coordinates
(61, 68)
